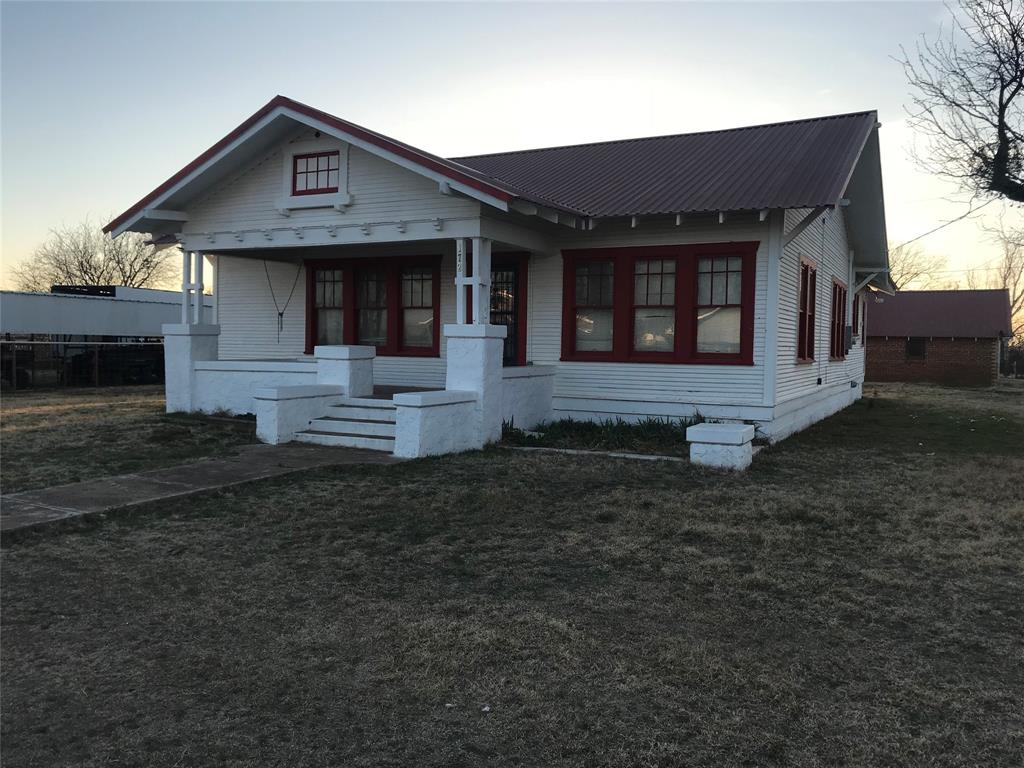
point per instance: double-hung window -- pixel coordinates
(719, 304)
(372, 306)
(328, 302)
(660, 304)
(390, 303)
(837, 345)
(593, 307)
(807, 315)
(417, 308)
(654, 305)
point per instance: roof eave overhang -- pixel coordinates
(426, 165)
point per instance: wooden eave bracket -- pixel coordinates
(803, 224)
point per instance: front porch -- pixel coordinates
(333, 394)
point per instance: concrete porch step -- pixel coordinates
(361, 408)
(346, 440)
(368, 426)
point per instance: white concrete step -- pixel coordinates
(341, 440)
(368, 426)
(362, 408)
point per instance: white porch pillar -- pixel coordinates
(197, 286)
(461, 281)
(474, 364)
(481, 281)
(216, 289)
(186, 284)
(184, 344)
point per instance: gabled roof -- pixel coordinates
(797, 164)
(949, 314)
(285, 106)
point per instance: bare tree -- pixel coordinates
(910, 267)
(81, 254)
(1007, 272)
(967, 98)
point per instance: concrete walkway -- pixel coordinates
(28, 509)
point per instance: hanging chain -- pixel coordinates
(281, 310)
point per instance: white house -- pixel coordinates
(713, 275)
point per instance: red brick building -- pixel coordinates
(945, 337)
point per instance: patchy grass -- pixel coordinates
(64, 436)
(650, 436)
(853, 599)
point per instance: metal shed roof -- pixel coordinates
(796, 164)
(949, 314)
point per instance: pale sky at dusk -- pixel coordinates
(103, 101)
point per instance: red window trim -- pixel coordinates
(392, 267)
(837, 325)
(808, 306)
(687, 257)
(318, 190)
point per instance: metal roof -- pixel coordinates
(948, 314)
(796, 164)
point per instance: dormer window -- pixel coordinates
(315, 173)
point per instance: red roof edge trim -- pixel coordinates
(402, 150)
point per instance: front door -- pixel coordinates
(508, 305)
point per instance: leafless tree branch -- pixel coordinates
(967, 101)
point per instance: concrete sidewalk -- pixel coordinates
(28, 509)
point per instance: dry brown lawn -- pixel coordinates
(64, 436)
(854, 599)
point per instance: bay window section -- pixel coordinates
(654, 305)
(719, 309)
(594, 306)
(417, 308)
(660, 304)
(328, 303)
(372, 307)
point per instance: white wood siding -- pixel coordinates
(381, 192)
(248, 319)
(825, 244)
(622, 387)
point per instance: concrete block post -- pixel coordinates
(474, 355)
(722, 446)
(184, 345)
(347, 366)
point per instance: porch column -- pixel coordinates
(186, 284)
(479, 283)
(197, 286)
(474, 364)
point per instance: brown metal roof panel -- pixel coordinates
(796, 164)
(943, 314)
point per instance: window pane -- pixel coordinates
(333, 161)
(704, 265)
(718, 290)
(329, 326)
(720, 265)
(593, 330)
(319, 294)
(300, 182)
(718, 330)
(654, 329)
(703, 289)
(734, 264)
(332, 179)
(300, 164)
(321, 180)
(418, 328)
(733, 292)
(373, 327)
